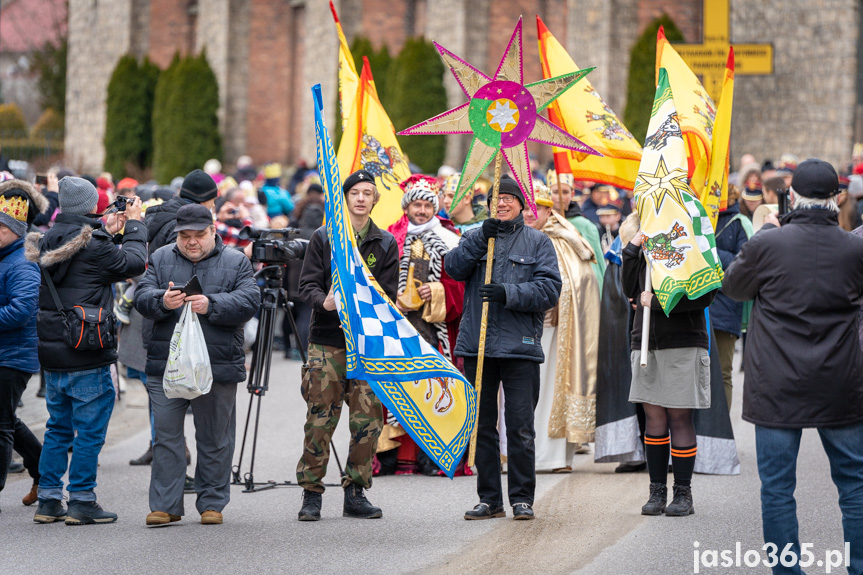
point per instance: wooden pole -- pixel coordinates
(645, 323)
(484, 321)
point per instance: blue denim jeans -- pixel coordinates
(80, 404)
(777, 451)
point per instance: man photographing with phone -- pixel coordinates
(227, 299)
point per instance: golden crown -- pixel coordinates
(15, 207)
(541, 194)
(551, 179)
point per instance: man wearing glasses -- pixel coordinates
(525, 284)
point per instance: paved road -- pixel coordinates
(589, 521)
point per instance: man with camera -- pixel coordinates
(325, 385)
(525, 284)
(227, 299)
(77, 345)
(802, 356)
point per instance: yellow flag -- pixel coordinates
(369, 143)
(679, 243)
(582, 111)
(349, 80)
(715, 193)
(696, 109)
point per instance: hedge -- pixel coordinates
(128, 123)
(641, 86)
(185, 121)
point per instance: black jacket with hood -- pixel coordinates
(83, 261)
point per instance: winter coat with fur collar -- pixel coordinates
(83, 262)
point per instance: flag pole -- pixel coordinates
(645, 323)
(484, 321)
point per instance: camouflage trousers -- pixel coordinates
(325, 388)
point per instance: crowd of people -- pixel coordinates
(105, 261)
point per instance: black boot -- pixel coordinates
(681, 505)
(658, 498)
(145, 459)
(356, 504)
(49, 511)
(311, 510)
(88, 513)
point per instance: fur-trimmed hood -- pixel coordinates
(39, 201)
(64, 252)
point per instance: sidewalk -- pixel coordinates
(129, 417)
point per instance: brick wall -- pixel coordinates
(171, 30)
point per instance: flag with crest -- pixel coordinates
(431, 399)
(582, 111)
(679, 240)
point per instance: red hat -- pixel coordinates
(104, 201)
(103, 183)
(858, 169)
(127, 183)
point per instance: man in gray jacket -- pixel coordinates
(525, 284)
(230, 298)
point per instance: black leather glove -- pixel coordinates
(490, 228)
(493, 292)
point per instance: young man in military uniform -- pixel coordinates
(325, 384)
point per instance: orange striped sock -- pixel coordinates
(683, 463)
(656, 452)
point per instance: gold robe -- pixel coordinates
(576, 317)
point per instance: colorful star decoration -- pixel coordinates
(502, 115)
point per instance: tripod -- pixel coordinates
(259, 377)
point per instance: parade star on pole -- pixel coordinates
(502, 115)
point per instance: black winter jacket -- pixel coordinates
(227, 280)
(381, 254)
(725, 313)
(526, 264)
(83, 261)
(685, 326)
(161, 220)
(802, 357)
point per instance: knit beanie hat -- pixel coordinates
(199, 187)
(815, 179)
(509, 186)
(420, 187)
(77, 196)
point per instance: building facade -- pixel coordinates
(267, 54)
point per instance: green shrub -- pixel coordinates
(185, 121)
(417, 93)
(49, 126)
(128, 121)
(12, 123)
(641, 85)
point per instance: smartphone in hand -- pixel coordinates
(192, 287)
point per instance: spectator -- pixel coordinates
(80, 261)
(230, 298)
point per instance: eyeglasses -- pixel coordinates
(506, 199)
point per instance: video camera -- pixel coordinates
(274, 246)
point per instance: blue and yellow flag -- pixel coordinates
(678, 235)
(431, 399)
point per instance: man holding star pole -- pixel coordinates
(502, 115)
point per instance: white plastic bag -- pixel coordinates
(188, 373)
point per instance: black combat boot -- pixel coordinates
(311, 510)
(356, 504)
(681, 505)
(658, 498)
